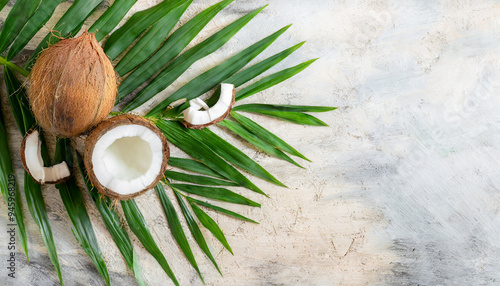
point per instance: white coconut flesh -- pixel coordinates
(34, 162)
(199, 113)
(127, 158)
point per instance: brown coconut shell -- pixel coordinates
(107, 126)
(217, 120)
(23, 160)
(72, 86)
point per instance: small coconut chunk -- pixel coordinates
(31, 157)
(200, 115)
(125, 156)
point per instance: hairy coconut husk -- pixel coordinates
(25, 165)
(217, 120)
(107, 126)
(72, 86)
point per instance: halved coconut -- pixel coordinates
(199, 115)
(31, 156)
(125, 156)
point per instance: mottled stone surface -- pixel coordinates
(404, 184)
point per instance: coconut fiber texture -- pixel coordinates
(73, 86)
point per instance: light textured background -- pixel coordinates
(403, 188)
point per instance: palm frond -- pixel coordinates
(169, 50)
(256, 141)
(199, 180)
(139, 227)
(36, 206)
(113, 225)
(197, 149)
(8, 185)
(35, 23)
(284, 113)
(121, 39)
(272, 80)
(110, 18)
(266, 135)
(232, 154)
(33, 191)
(220, 194)
(176, 228)
(241, 78)
(150, 42)
(218, 74)
(220, 209)
(193, 166)
(195, 229)
(211, 225)
(3, 3)
(184, 61)
(15, 21)
(72, 198)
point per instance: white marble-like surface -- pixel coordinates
(404, 184)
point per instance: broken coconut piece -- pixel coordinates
(31, 156)
(199, 115)
(125, 156)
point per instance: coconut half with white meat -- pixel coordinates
(199, 115)
(31, 156)
(125, 156)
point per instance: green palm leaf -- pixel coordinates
(211, 225)
(72, 198)
(282, 113)
(175, 227)
(245, 75)
(35, 23)
(257, 107)
(15, 21)
(184, 61)
(136, 25)
(200, 180)
(114, 225)
(33, 191)
(36, 206)
(3, 3)
(218, 74)
(139, 227)
(220, 209)
(220, 194)
(110, 18)
(256, 141)
(232, 154)
(12, 195)
(195, 229)
(170, 49)
(242, 77)
(198, 150)
(10, 189)
(272, 80)
(266, 135)
(193, 166)
(150, 42)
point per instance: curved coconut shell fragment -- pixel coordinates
(31, 156)
(126, 156)
(198, 115)
(72, 86)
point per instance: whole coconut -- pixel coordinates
(73, 86)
